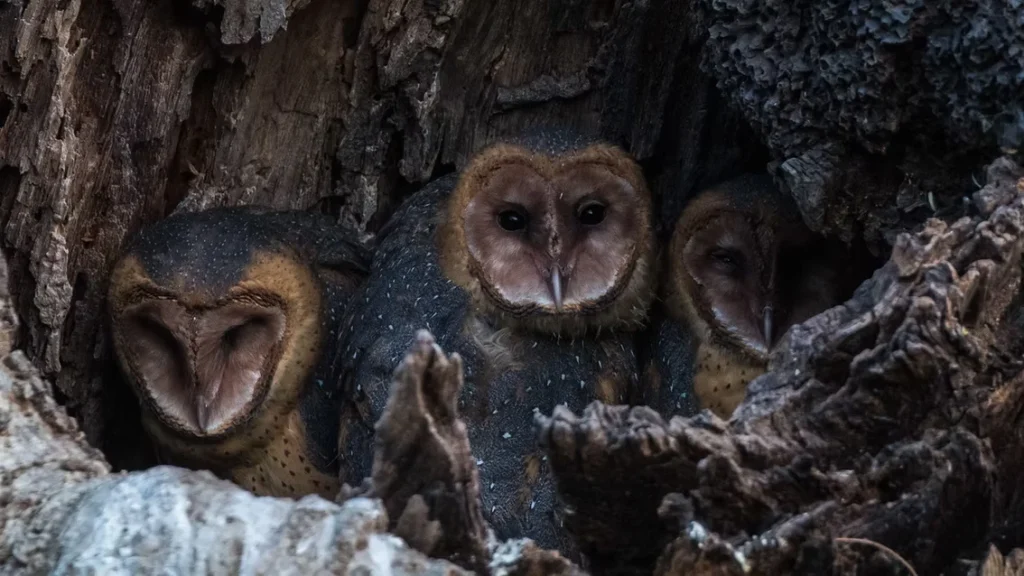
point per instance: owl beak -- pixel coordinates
(556, 288)
(766, 316)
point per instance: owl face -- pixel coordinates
(206, 357)
(750, 267)
(562, 243)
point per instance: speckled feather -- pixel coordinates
(509, 375)
(206, 253)
(669, 366)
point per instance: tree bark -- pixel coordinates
(62, 512)
(892, 419)
(877, 114)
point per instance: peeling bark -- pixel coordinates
(8, 319)
(63, 512)
(426, 475)
(906, 98)
(880, 419)
(423, 469)
(114, 114)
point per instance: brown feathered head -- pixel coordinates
(215, 322)
(557, 241)
(743, 267)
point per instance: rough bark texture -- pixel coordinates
(871, 106)
(427, 478)
(423, 469)
(8, 318)
(62, 512)
(880, 419)
(114, 114)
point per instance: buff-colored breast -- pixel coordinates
(721, 379)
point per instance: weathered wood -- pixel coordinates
(8, 318)
(423, 469)
(113, 114)
(892, 418)
(894, 100)
(427, 478)
(62, 512)
(998, 565)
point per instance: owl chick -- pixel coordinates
(742, 269)
(224, 324)
(534, 263)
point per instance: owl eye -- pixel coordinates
(729, 259)
(512, 220)
(591, 214)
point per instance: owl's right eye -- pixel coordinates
(727, 258)
(512, 220)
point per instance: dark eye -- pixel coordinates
(727, 258)
(512, 220)
(592, 214)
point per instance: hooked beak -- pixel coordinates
(768, 326)
(556, 288)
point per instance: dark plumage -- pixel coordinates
(742, 268)
(519, 359)
(219, 320)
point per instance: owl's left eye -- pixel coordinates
(512, 220)
(591, 214)
(727, 258)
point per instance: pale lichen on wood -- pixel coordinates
(63, 512)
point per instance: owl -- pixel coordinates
(741, 269)
(224, 324)
(536, 264)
